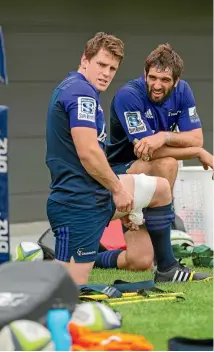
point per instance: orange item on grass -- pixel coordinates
(87, 340)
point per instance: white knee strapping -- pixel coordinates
(144, 190)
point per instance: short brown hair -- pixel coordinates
(165, 57)
(110, 43)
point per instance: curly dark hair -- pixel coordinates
(165, 57)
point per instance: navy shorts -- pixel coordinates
(78, 231)
(120, 168)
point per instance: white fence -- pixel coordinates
(193, 201)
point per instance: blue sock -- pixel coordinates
(158, 223)
(107, 259)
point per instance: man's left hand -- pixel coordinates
(129, 224)
(145, 147)
(206, 159)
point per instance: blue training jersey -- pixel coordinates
(134, 115)
(74, 103)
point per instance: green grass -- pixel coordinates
(160, 321)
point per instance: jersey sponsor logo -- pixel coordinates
(80, 252)
(174, 113)
(86, 109)
(193, 114)
(148, 114)
(134, 122)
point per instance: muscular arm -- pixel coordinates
(165, 144)
(193, 138)
(176, 153)
(203, 155)
(93, 158)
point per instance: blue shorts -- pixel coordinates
(78, 231)
(120, 168)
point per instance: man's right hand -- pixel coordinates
(206, 159)
(123, 200)
(145, 147)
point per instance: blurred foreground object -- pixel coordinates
(31, 289)
(25, 335)
(3, 68)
